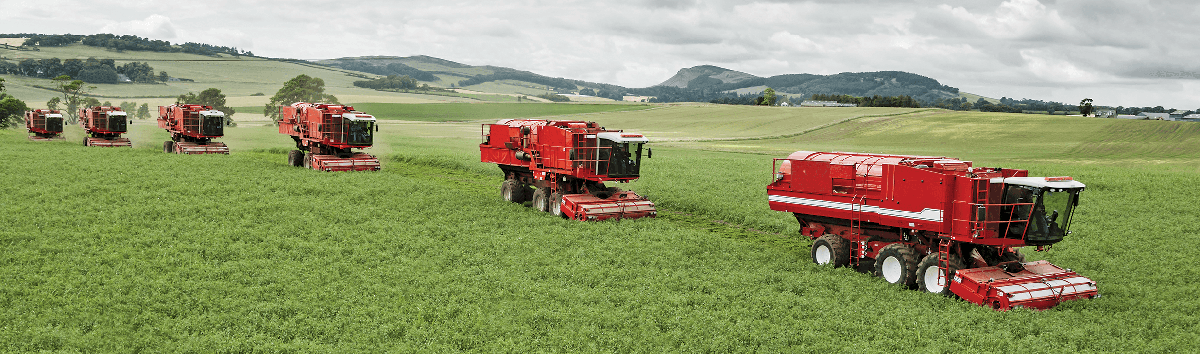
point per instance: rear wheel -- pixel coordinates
(294, 158)
(556, 200)
(541, 200)
(831, 249)
(897, 264)
(928, 272)
(305, 160)
(168, 146)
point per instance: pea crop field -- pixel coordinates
(134, 250)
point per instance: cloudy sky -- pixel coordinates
(1129, 53)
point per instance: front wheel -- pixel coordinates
(512, 191)
(85, 141)
(831, 249)
(929, 277)
(294, 158)
(168, 146)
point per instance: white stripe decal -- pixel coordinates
(927, 214)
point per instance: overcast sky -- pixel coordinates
(1129, 53)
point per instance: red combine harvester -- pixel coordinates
(325, 135)
(934, 223)
(45, 124)
(568, 162)
(104, 126)
(192, 129)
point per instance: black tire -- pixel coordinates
(831, 249)
(305, 160)
(897, 264)
(168, 146)
(512, 191)
(927, 272)
(85, 141)
(541, 200)
(556, 200)
(294, 158)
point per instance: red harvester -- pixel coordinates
(568, 162)
(192, 129)
(45, 124)
(935, 223)
(328, 132)
(104, 126)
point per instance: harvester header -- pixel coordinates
(936, 223)
(568, 162)
(192, 129)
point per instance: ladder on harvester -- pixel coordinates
(982, 198)
(944, 261)
(856, 211)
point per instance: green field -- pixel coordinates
(128, 250)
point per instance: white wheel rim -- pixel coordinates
(822, 255)
(556, 207)
(891, 269)
(932, 283)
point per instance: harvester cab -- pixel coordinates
(212, 123)
(1037, 209)
(620, 154)
(360, 128)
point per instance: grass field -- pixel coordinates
(125, 250)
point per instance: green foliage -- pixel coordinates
(138, 72)
(875, 101)
(391, 82)
(1085, 106)
(768, 98)
(72, 93)
(554, 97)
(143, 111)
(211, 97)
(12, 111)
(301, 88)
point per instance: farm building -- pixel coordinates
(1155, 116)
(1190, 118)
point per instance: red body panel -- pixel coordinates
(1037, 285)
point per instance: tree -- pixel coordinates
(72, 91)
(768, 97)
(162, 76)
(302, 88)
(211, 97)
(12, 110)
(143, 111)
(53, 103)
(1085, 107)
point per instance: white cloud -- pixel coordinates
(155, 26)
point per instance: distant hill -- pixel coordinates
(883, 83)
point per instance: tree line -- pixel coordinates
(873, 101)
(92, 70)
(391, 69)
(557, 83)
(125, 42)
